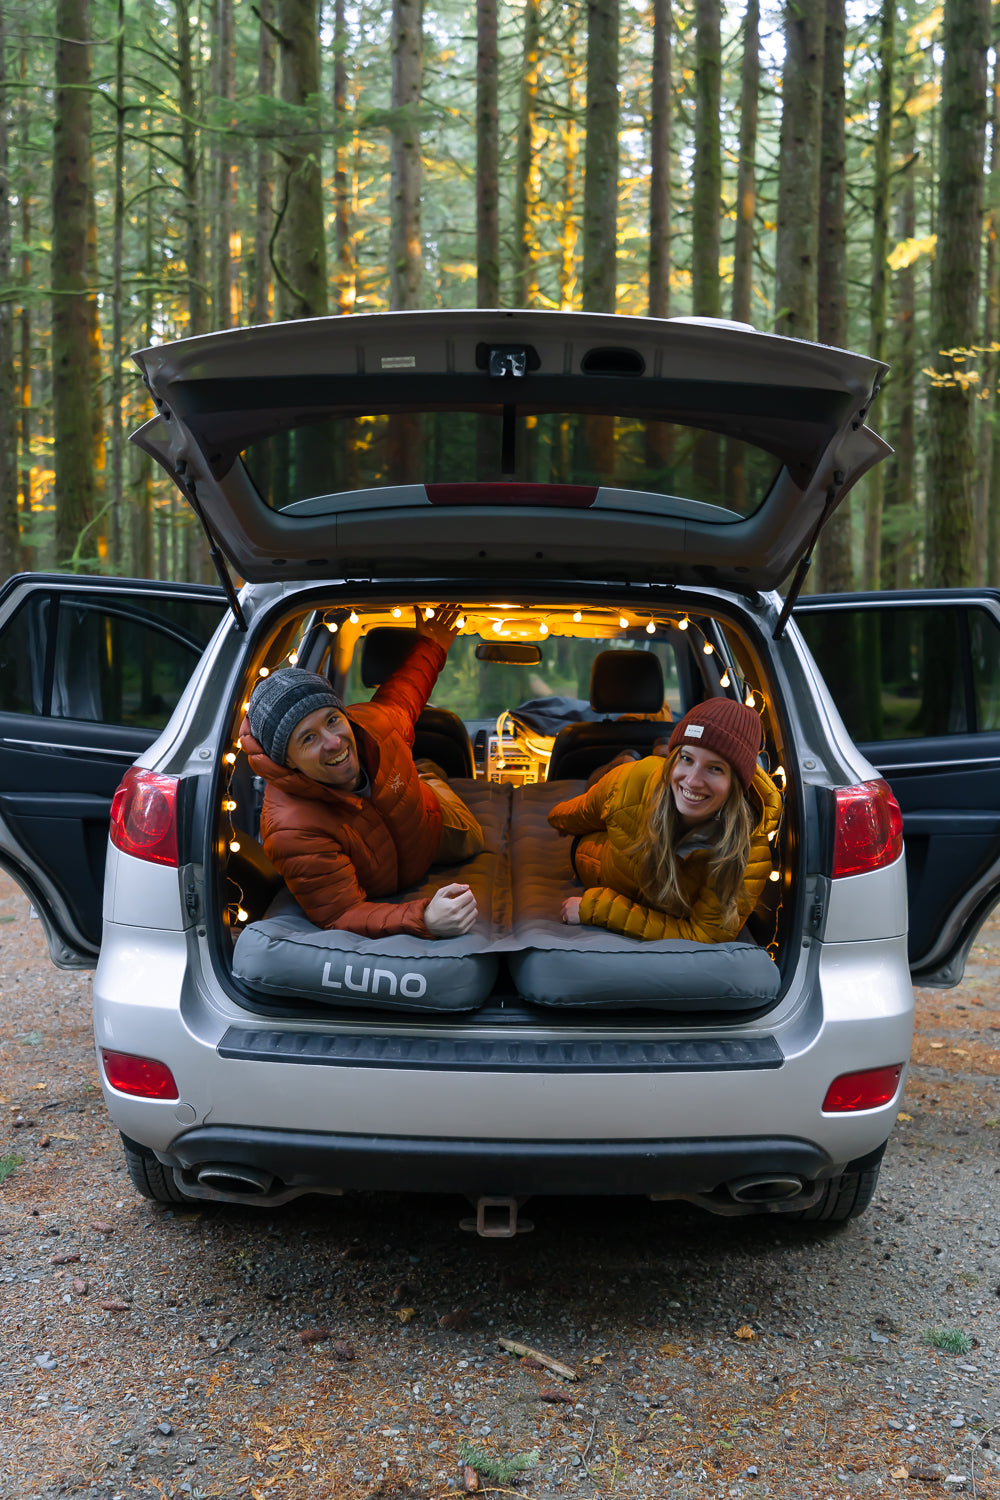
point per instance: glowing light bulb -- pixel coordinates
(683, 624)
(229, 805)
(293, 658)
(229, 758)
(234, 845)
(779, 771)
(498, 626)
(428, 613)
(543, 629)
(242, 916)
(708, 648)
(724, 680)
(396, 612)
(353, 617)
(750, 700)
(331, 626)
(246, 708)
(577, 617)
(623, 622)
(774, 875)
(460, 623)
(264, 672)
(651, 628)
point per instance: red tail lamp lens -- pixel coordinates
(144, 816)
(865, 1090)
(869, 832)
(142, 1076)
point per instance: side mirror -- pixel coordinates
(510, 653)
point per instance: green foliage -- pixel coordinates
(950, 1340)
(8, 1164)
(494, 1465)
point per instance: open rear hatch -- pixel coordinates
(485, 443)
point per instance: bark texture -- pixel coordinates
(746, 180)
(600, 187)
(878, 301)
(405, 250)
(487, 157)
(300, 263)
(798, 179)
(660, 142)
(707, 194)
(10, 545)
(526, 174)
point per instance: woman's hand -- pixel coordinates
(571, 910)
(442, 627)
(451, 911)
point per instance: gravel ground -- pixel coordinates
(350, 1348)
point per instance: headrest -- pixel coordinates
(385, 648)
(626, 682)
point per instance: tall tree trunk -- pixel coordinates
(487, 157)
(746, 181)
(798, 172)
(835, 569)
(72, 400)
(347, 271)
(10, 538)
(878, 300)
(569, 222)
(660, 145)
(707, 194)
(25, 359)
(194, 241)
(600, 185)
(405, 248)
(988, 445)
(223, 79)
(526, 174)
(260, 305)
(955, 292)
(900, 480)
(117, 340)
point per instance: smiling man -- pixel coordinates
(348, 818)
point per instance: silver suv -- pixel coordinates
(612, 502)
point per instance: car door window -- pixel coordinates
(901, 672)
(22, 659)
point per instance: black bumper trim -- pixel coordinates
(497, 1054)
(510, 1168)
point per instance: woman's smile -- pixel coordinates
(700, 780)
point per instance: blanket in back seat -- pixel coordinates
(519, 881)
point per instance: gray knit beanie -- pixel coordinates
(280, 701)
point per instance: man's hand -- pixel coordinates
(443, 628)
(451, 912)
(571, 910)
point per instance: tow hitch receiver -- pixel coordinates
(496, 1219)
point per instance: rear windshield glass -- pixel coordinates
(343, 452)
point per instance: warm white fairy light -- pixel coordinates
(246, 708)
(353, 617)
(724, 680)
(543, 629)
(460, 623)
(241, 915)
(750, 700)
(498, 626)
(779, 771)
(623, 622)
(651, 628)
(293, 658)
(229, 805)
(234, 845)
(331, 626)
(229, 758)
(683, 624)
(397, 612)
(428, 613)
(264, 672)
(774, 875)
(708, 648)
(577, 617)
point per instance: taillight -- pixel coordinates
(142, 1076)
(869, 831)
(144, 816)
(865, 1090)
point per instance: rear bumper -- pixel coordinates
(317, 1162)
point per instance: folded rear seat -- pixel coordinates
(286, 957)
(554, 964)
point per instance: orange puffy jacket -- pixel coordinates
(609, 818)
(337, 850)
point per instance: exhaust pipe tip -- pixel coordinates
(765, 1189)
(231, 1177)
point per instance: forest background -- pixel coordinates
(824, 168)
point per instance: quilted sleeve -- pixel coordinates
(324, 882)
(404, 695)
(588, 812)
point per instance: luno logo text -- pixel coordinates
(376, 981)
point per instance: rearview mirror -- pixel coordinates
(511, 653)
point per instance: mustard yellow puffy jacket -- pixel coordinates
(609, 818)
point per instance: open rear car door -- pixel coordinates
(90, 671)
(916, 677)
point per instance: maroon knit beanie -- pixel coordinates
(730, 729)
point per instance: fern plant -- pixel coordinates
(494, 1466)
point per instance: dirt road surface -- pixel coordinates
(350, 1348)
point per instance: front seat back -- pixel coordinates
(440, 734)
(621, 682)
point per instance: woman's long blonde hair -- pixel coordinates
(654, 850)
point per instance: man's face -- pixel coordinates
(323, 748)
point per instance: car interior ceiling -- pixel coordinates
(605, 679)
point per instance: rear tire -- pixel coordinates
(844, 1197)
(149, 1176)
